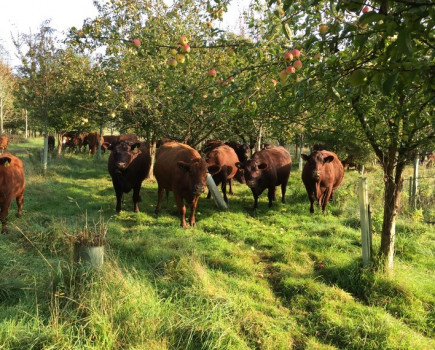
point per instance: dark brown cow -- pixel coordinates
(180, 168)
(4, 141)
(322, 175)
(267, 168)
(72, 140)
(51, 143)
(242, 150)
(430, 161)
(11, 186)
(128, 166)
(349, 162)
(91, 139)
(222, 166)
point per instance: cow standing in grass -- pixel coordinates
(181, 169)
(322, 175)
(267, 169)
(128, 166)
(4, 141)
(11, 186)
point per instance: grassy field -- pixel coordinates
(281, 279)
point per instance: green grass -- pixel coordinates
(236, 281)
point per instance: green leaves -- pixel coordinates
(287, 31)
(387, 86)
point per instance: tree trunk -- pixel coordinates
(45, 151)
(152, 148)
(27, 124)
(1, 116)
(99, 141)
(59, 143)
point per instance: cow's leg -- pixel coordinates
(255, 199)
(20, 200)
(230, 183)
(4, 215)
(224, 183)
(327, 195)
(271, 194)
(209, 194)
(159, 200)
(181, 210)
(136, 198)
(283, 190)
(311, 197)
(119, 195)
(193, 206)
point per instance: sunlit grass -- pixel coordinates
(279, 279)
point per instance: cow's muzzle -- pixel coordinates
(121, 166)
(316, 175)
(250, 183)
(198, 189)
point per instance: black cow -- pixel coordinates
(128, 166)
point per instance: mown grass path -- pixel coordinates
(279, 279)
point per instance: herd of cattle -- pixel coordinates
(181, 169)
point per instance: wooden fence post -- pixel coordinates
(365, 224)
(415, 182)
(410, 191)
(217, 197)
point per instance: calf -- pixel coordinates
(322, 175)
(128, 166)
(221, 163)
(180, 168)
(4, 141)
(11, 186)
(267, 168)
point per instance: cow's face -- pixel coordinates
(317, 161)
(124, 153)
(244, 152)
(196, 174)
(252, 171)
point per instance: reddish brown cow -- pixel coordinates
(51, 143)
(180, 168)
(430, 161)
(222, 166)
(4, 141)
(72, 140)
(91, 139)
(11, 186)
(210, 145)
(267, 168)
(242, 150)
(128, 166)
(322, 175)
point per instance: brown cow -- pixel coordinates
(430, 161)
(128, 166)
(242, 150)
(222, 166)
(11, 186)
(91, 139)
(4, 141)
(349, 162)
(180, 168)
(267, 168)
(322, 175)
(72, 140)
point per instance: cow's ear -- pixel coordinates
(328, 159)
(305, 157)
(239, 165)
(263, 166)
(5, 161)
(134, 145)
(213, 169)
(183, 165)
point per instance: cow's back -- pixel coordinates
(278, 160)
(224, 155)
(166, 169)
(335, 168)
(11, 178)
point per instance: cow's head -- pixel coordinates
(124, 153)
(195, 175)
(252, 171)
(316, 161)
(244, 152)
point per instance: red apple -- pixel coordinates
(274, 82)
(365, 9)
(321, 266)
(212, 73)
(283, 74)
(172, 62)
(136, 42)
(288, 56)
(290, 70)
(297, 64)
(183, 40)
(296, 53)
(185, 48)
(231, 79)
(323, 29)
